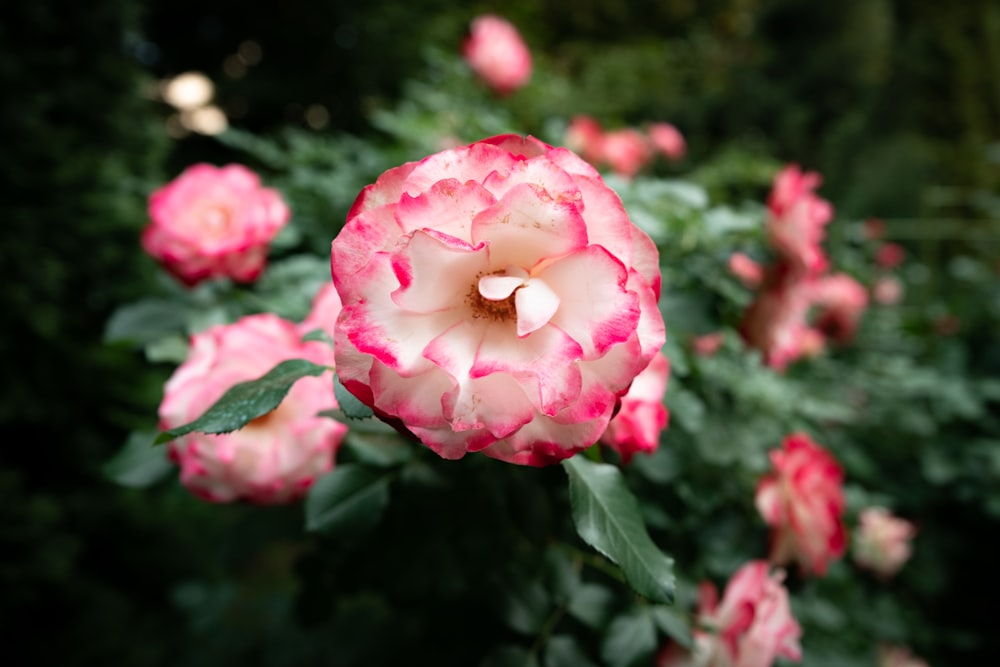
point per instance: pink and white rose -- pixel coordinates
(802, 500)
(887, 290)
(777, 324)
(668, 140)
(749, 272)
(497, 298)
(797, 218)
(585, 136)
(883, 542)
(496, 52)
(643, 416)
(276, 457)
(841, 300)
(626, 151)
(213, 222)
(752, 626)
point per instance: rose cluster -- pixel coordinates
(627, 150)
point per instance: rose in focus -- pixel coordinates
(883, 542)
(213, 222)
(496, 52)
(802, 500)
(637, 426)
(497, 298)
(274, 458)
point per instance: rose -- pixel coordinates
(776, 323)
(750, 627)
(797, 218)
(637, 426)
(841, 300)
(882, 542)
(802, 500)
(626, 151)
(496, 52)
(497, 298)
(276, 457)
(213, 222)
(749, 272)
(890, 255)
(887, 290)
(584, 135)
(668, 140)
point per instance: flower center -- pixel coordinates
(492, 309)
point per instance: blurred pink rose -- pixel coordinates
(497, 298)
(495, 51)
(626, 151)
(776, 324)
(751, 626)
(888, 290)
(898, 656)
(213, 222)
(749, 272)
(584, 135)
(325, 310)
(276, 457)
(882, 542)
(803, 502)
(797, 218)
(668, 140)
(874, 229)
(708, 344)
(889, 255)
(841, 300)
(637, 426)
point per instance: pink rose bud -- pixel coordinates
(751, 626)
(213, 222)
(626, 151)
(803, 502)
(889, 255)
(708, 344)
(637, 426)
(497, 298)
(274, 458)
(749, 272)
(668, 140)
(497, 54)
(882, 542)
(585, 136)
(797, 219)
(888, 290)
(841, 300)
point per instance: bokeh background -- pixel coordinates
(895, 102)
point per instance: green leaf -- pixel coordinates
(244, 402)
(349, 403)
(608, 518)
(347, 501)
(144, 321)
(384, 450)
(673, 625)
(137, 465)
(591, 604)
(317, 335)
(519, 598)
(630, 638)
(564, 651)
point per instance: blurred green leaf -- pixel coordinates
(673, 624)
(608, 518)
(137, 465)
(565, 651)
(145, 321)
(246, 401)
(630, 638)
(510, 656)
(591, 604)
(349, 403)
(347, 501)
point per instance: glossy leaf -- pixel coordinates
(347, 501)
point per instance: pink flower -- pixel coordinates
(626, 151)
(841, 300)
(776, 324)
(898, 656)
(637, 426)
(888, 290)
(708, 344)
(797, 218)
(883, 541)
(668, 140)
(750, 627)
(495, 51)
(585, 136)
(276, 457)
(803, 502)
(213, 222)
(749, 272)
(889, 255)
(325, 310)
(497, 298)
